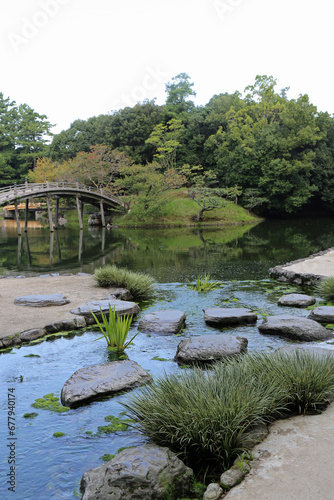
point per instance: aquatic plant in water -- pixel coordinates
(115, 329)
(205, 284)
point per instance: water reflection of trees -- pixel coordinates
(236, 252)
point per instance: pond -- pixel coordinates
(51, 467)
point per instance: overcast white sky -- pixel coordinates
(72, 59)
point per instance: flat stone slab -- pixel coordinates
(143, 472)
(229, 316)
(296, 300)
(322, 314)
(168, 321)
(312, 349)
(92, 382)
(53, 299)
(294, 327)
(122, 308)
(208, 348)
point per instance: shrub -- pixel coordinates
(141, 286)
(115, 329)
(326, 288)
(206, 416)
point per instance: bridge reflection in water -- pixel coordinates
(55, 248)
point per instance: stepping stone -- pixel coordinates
(322, 314)
(218, 316)
(208, 348)
(168, 321)
(122, 308)
(296, 300)
(92, 382)
(53, 299)
(313, 349)
(294, 327)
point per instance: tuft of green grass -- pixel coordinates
(115, 330)
(205, 284)
(206, 416)
(140, 285)
(325, 289)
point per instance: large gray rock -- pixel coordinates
(147, 472)
(208, 348)
(294, 327)
(164, 322)
(322, 314)
(98, 380)
(229, 316)
(52, 299)
(122, 308)
(296, 300)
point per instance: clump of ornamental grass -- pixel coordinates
(114, 329)
(205, 284)
(325, 289)
(141, 286)
(307, 378)
(206, 416)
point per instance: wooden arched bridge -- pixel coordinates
(59, 189)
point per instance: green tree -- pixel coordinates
(98, 168)
(32, 132)
(166, 140)
(179, 89)
(268, 145)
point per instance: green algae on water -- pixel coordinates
(58, 434)
(116, 424)
(30, 415)
(50, 402)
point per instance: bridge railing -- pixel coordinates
(19, 189)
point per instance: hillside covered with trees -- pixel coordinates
(271, 154)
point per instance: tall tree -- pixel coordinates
(179, 90)
(32, 132)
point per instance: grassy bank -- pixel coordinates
(179, 210)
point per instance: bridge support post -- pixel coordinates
(103, 221)
(57, 212)
(79, 212)
(17, 216)
(26, 216)
(49, 212)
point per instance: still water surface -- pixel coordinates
(51, 468)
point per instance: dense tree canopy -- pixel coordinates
(276, 154)
(23, 137)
